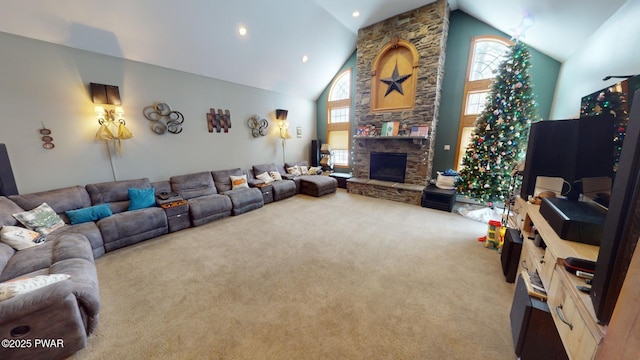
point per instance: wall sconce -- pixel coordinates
(112, 123)
(284, 129)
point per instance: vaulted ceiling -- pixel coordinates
(201, 36)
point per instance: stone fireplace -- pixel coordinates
(426, 29)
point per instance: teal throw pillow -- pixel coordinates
(142, 198)
(91, 213)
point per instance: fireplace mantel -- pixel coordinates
(418, 140)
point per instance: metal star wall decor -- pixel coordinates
(395, 82)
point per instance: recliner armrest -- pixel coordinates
(35, 300)
(254, 182)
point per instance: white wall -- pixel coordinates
(613, 50)
(47, 83)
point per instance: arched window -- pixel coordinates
(485, 56)
(339, 118)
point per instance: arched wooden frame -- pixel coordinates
(403, 54)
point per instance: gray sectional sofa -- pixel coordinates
(69, 309)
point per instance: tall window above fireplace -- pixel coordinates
(387, 166)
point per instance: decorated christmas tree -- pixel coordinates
(501, 133)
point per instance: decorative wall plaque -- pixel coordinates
(393, 77)
(163, 119)
(258, 126)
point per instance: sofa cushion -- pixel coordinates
(261, 168)
(163, 186)
(91, 213)
(222, 178)
(42, 219)
(115, 193)
(20, 238)
(6, 252)
(141, 198)
(245, 199)
(194, 185)
(7, 209)
(60, 200)
(205, 209)
(283, 189)
(40, 258)
(130, 227)
(89, 230)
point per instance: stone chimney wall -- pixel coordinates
(426, 28)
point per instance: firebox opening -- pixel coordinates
(387, 166)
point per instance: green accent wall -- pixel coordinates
(321, 102)
(544, 74)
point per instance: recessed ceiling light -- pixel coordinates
(356, 13)
(305, 58)
(242, 31)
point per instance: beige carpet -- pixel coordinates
(338, 277)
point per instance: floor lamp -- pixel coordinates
(284, 129)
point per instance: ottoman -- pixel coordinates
(317, 185)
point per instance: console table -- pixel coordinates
(267, 192)
(177, 214)
(572, 311)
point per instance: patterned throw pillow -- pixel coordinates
(275, 176)
(315, 170)
(12, 288)
(304, 170)
(294, 170)
(264, 177)
(41, 219)
(238, 182)
(20, 238)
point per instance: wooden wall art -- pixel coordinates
(394, 75)
(218, 120)
(163, 119)
(258, 126)
(47, 140)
